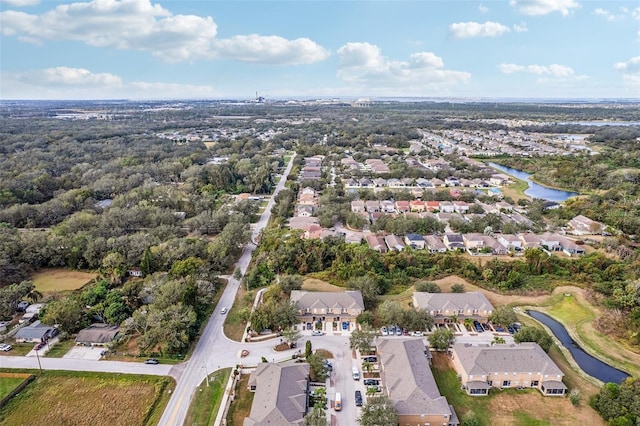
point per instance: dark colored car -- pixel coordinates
(370, 359)
(371, 382)
(152, 361)
(358, 398)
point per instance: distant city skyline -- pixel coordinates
(142, 49)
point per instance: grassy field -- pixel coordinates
(314, 284)
(510, 407)
(516, 190)
(206, 402)
(79, 398)
(58, 279)
(19, 349)
(235, 323)
(577, 315)
(9, 381)
(241, 405)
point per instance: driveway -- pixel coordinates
(84, 352)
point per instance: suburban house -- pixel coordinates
(444, 306)
(453, 241)
(447, 207)
(372, 206)
(304, 211)
(394, 242)
(328, 308)
(357, 206)
(510, 241)
(550, 241)
(415, 241)
(461, 207)
(402, 207)
(582, 225)
(280, 394)
(416, 205)
(434, 244)
(408, 381)
(530, 241)
(35, 333)
(387, 206)
(524, 365)
(302, 222)
(376, 243)
(433, 206)
(97, 335)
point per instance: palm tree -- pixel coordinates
(468, 322)
(366, 365)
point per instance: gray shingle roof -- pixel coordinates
(281, 394)
(97, 334)
(452, 301)
(327, 299)
(35, 331)
(522, 358)
(408, 379)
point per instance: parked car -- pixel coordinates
(417, 334)
(383, 331)
(369, 359)
(152, 361)
(223, 311)
(375, 388)
(317, 333)
(358, 398)
(371, 382)
(5, 347)
(398, 331)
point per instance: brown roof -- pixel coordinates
(97, 334)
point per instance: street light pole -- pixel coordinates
(38, 357)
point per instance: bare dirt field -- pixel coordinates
(58, 279)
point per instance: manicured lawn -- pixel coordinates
(19, 349)
(60, 349)
(7, 384)
(58, 279)
(79, 398)
(241, 405)
(206, 402)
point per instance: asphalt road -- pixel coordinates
(214, 350)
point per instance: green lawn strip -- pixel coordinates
(241, 405)
(60, 349)
(524, 419)
(449, 386)
(87, 398)
(574, 316)
(206, 401)
(235, 323)
(19, 349)
(7, 384)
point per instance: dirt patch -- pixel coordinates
(324, 353)
(314, 284)
(507, 408)
(58, 279)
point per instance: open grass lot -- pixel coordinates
(9, 381)
(241, 405)
(74, 398)
(236, 321)
(19, 349)
(511, 407)
(58, 279)
(206, 401)
(314, 284)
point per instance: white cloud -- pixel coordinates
(476, 29)
(483, 9)
(270, 49)
(609, 16)
(553, 70)
(362, 64)
(630, 74)
(143, 26)
(635, 14)
(80, 83)
(521, 27)
(20, 3)
(632, 65)
(544, 7)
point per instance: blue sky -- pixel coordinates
(144, 49)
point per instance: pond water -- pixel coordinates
(589, 364)
(535, 190)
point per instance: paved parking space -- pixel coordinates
(84, 352)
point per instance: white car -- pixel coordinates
(384, 331)
(417, 334)
(317, 333)
(223, 311)
(5, 347)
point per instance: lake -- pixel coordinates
(589, 364)
(535, 190)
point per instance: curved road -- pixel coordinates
(214, 351)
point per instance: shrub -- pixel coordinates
(575, 396)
